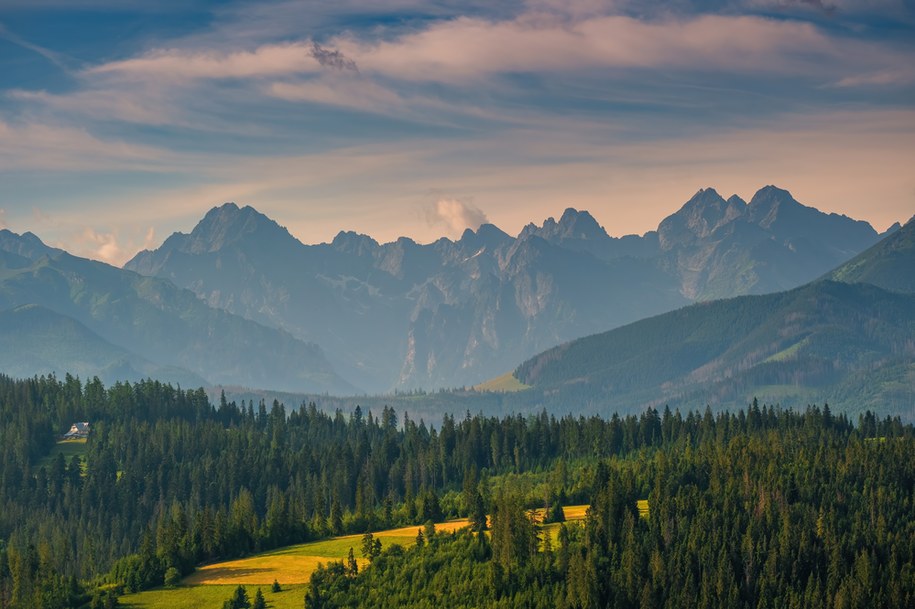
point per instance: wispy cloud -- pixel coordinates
(455, 215)
(55, 58)
(881, 78)
(469, 47)
(473, 47)
(141, 105)
(361, 94)
(108, 246)
(55, 147)
(189, 64)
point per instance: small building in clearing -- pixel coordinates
(79, 430)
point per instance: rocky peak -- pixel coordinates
(489, 236)
(770, 204)
(352, 242)
(579, 225)
(572, 225)
(699, 217)
(228, 224)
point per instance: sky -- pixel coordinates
(122, 121)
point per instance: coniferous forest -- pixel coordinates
(760, 508)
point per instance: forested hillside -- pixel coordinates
(849, 344)
(770, 509)
(889, 264)
(170, 480)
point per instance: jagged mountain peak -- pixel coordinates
(736, 201)
(705, 196)
(705, 212)
(580, 225)
(354, 243)
(487, 235)
(572, 225)
(769, 203)
(228, 224)
(895, 226)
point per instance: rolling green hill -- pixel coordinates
(853, 345)
(889, 264)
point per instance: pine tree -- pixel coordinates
(259, 602)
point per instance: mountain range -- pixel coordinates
(404, 315)
(239, 301)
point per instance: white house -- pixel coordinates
(78, 430)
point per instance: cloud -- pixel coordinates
(880, 78)
(357, 94)
(55, 58)
(45, 146)
(142, 105)
(101, 246)
(170, 65)
(455, 215)
(470, 47)
(332, 58)
(150, 240)
(107, 246)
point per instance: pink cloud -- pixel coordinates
(466, 47)
(183, 64)
(45, 146)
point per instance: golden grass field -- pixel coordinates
(292, 566)
(507, 383)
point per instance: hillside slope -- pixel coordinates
(852, 345)
(890, 264)
(161, 324)
(37, 341)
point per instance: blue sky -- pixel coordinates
(122, 121)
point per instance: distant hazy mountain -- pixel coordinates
(92, 318)
(890, 264)
(451, 313)
(850, 345)
(408, 315)
(721, 248)
(39, 341)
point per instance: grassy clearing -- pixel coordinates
(291, 566)
(69, 449)
(294, 564)
(192, 597)
(788, 353)
(573, 513)
(506, 383)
